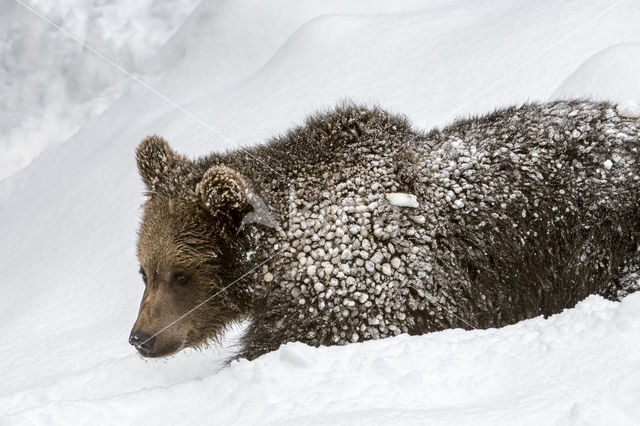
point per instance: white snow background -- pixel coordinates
(239, 72)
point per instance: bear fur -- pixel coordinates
(357, 226)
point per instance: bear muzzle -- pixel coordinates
(143, 342)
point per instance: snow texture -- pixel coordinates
(50, 84)
(250, 70)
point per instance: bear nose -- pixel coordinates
(143, 342)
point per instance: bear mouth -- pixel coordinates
(160, 352)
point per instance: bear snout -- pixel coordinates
(143, 342)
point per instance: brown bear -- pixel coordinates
(357, 226)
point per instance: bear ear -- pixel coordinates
(156, 160)
(225, 194)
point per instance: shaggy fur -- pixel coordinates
(522, 212)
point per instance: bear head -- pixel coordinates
(188, 248)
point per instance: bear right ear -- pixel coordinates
(224, 192)
(155, 160)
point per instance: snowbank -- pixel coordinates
(245, 71)
(579, 367)
(51, 84)
(610, 74)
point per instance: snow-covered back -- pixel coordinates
(239, 72)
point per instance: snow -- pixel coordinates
(241, 72)
(50, 86)
(612, 73)
(579, 367)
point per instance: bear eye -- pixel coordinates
(144, 275)
(179, 278)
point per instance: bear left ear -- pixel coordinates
(224, 192)
(156, 160)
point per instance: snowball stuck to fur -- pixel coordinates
(400, 199)
(628, 108)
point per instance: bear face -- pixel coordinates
(187, 249)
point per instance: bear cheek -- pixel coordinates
(166, 346)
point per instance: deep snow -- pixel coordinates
(245, 71)
(50, 85)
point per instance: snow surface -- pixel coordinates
(240, 72)
(613, 73)
(50, 85)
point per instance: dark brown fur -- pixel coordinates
(522, 212)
